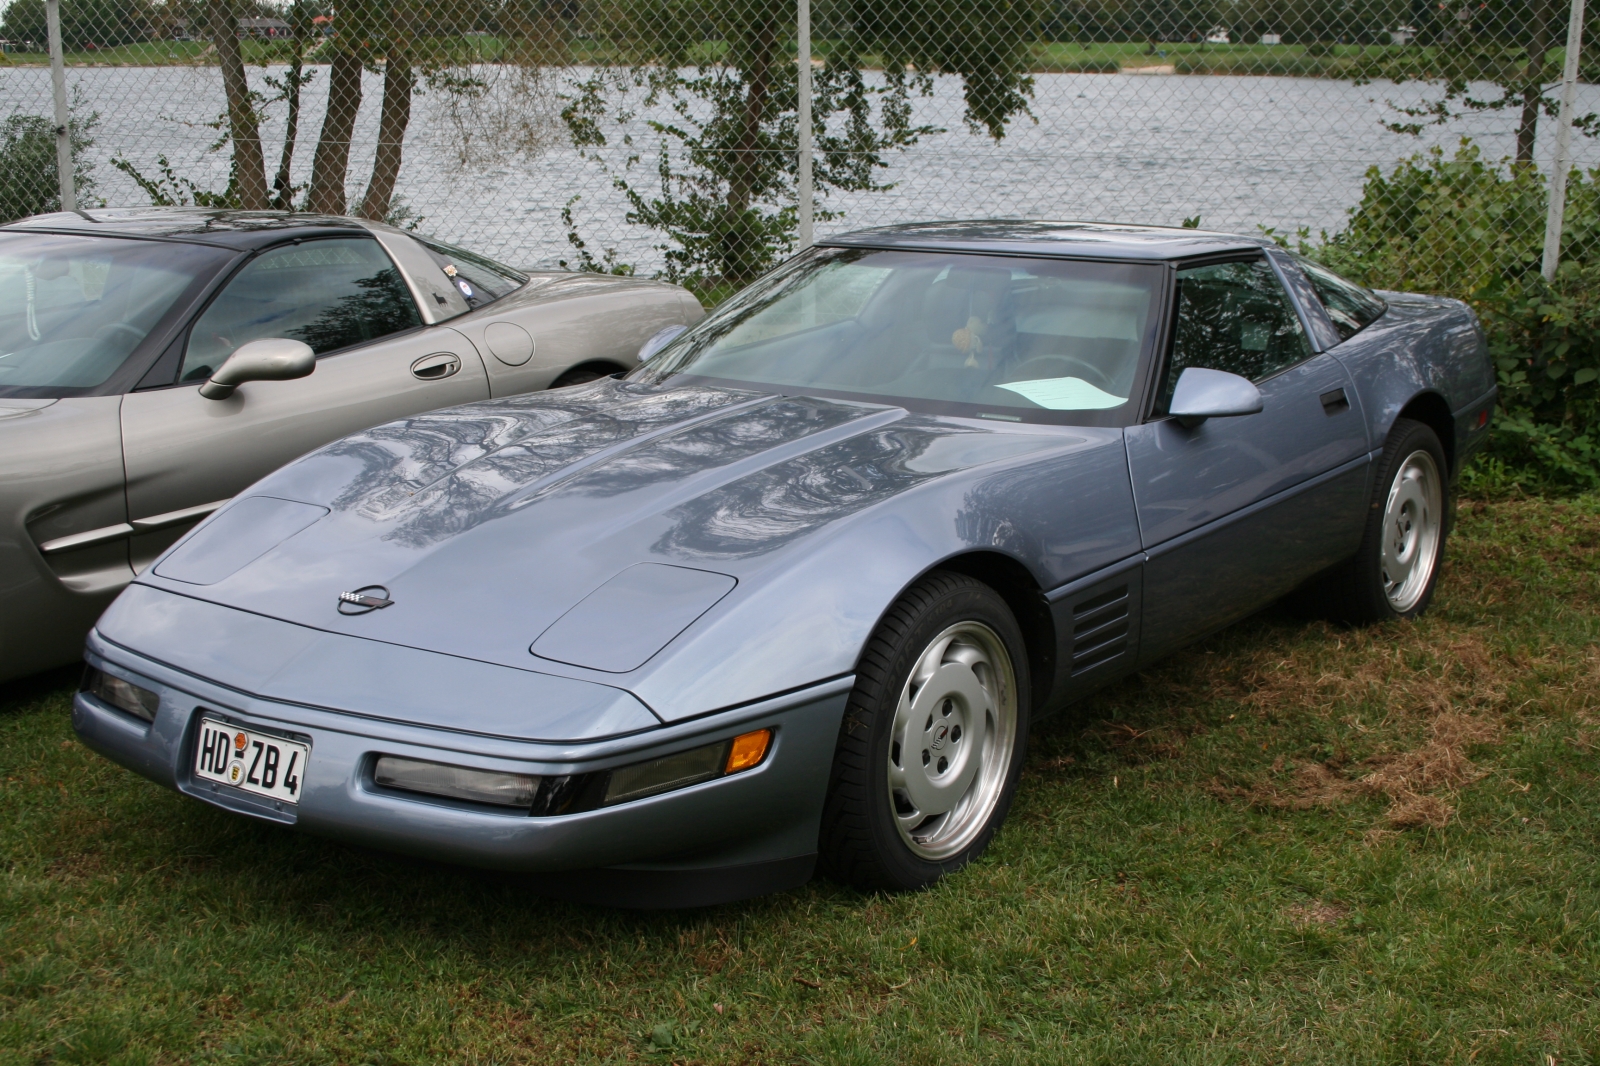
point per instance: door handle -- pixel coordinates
(1335, 401)
(435, 366)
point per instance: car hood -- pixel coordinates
(621, 511)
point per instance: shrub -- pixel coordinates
(1474, 230)
(29, 182)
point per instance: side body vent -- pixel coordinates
(1099, 629)
(1097, 632)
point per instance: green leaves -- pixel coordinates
(1466, 228)
(725, 177)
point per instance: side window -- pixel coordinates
(480, 279)
(1350, 307)
(1234, 317)
(329, 293)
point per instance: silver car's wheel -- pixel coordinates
(1413, 520)
(950, 746)
(933, 737)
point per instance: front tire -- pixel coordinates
(932, 741)
(1394, 572)
(579, 375)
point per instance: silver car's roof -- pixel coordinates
(1075, 239)
(232, 229)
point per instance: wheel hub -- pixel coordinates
(1412, 521)
(950, 744)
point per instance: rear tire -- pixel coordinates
(932, 741)
(1394, 572)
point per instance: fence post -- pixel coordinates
(1563, 159)
(803, 121)
(58, 87)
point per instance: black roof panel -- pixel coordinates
(233, 229)
(1087, 240)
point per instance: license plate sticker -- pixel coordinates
(255, 762)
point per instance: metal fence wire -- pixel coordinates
(686, 138)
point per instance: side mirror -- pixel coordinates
(1202, 394)
(659, 340)
(270, 359)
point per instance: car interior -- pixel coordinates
(73, 309)
(331, 294)
(1235, 317)
(1021, 333)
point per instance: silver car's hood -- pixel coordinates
(485, 524)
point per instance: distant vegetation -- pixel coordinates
(1462, 226)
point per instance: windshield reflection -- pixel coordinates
(1027, 339)
(72, 309)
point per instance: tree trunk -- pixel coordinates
(741, 183)
(332, 160)
(282, 190)
(249, 168)
(1533, 81)
(398, 81)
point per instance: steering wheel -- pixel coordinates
(111, 329)
(1052, 365)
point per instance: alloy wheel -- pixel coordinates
(951, 742)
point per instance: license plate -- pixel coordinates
(255, 762)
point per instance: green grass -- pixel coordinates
(1290, 843)
(1056, 57)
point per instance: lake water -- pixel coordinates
(1237, 151)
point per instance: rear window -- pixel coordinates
(1351, 307)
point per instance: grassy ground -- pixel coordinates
(1331, 61)
(1290, 843)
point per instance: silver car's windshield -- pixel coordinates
(1009, 337)
(72, 309)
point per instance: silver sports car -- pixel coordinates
(155, 362)
(793, 590)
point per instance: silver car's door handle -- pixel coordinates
(435, 366)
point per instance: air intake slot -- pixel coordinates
(1099, 629)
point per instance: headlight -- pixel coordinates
(456, 782)
(687, 767)
(123, 695)
(575, 793)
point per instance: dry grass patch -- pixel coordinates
(1302, 915)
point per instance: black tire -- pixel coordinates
(1358, 591)
(862, 842)
(579, 375)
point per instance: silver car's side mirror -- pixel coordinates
(659, 340)
(1202, 394)
(270, 359)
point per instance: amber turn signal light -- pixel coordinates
(748, 750)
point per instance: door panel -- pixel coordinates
(1185, 478)
(1186, 481)
(1237, 511)
(1239, 565)
(183, 451)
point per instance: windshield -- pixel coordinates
(480, 279)
(72, 309)
(1019, 339)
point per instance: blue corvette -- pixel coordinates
(790, 594)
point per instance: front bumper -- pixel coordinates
(767, 815)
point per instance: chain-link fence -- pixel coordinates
(662, 133)
(665, 136)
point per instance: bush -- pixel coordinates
(29, 183)
(1474, 230)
